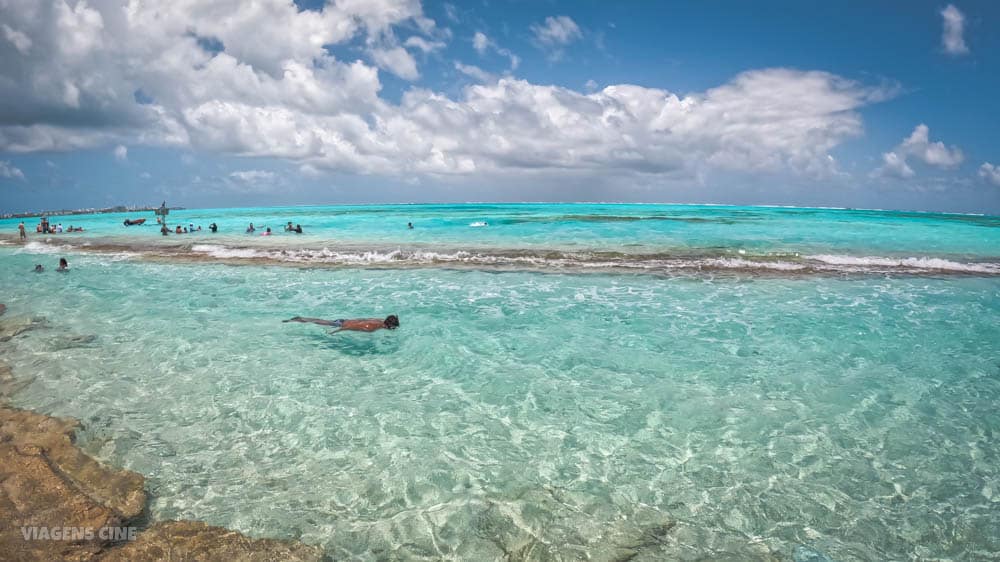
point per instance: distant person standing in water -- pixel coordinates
(251, 229)
(63, 265)
(391, 322)
(20, 231)
(298, 229)
(409, 225)
(213, 227)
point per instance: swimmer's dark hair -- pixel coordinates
(392, 321)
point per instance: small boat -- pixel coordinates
(129, 222)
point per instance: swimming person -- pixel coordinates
(63, 265)
(409, 225)
(391, 322)
(298, 229)
(213, 227)
(266, 232)
(250, 228)
(39, 268)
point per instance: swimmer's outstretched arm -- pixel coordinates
(319, 321)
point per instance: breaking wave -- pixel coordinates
(535, 259)
(680, 261)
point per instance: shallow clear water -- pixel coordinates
(540, 414)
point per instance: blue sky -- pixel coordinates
(855, 104)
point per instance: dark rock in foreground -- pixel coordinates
(17, 325)
(47, 482)
(193, 540)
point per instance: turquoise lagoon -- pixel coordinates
(569, 382)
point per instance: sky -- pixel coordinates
(272, 102)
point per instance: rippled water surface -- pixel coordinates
(532, 415)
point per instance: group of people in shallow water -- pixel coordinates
(63, 266)
(44, 227)
(190, 229)
(297, 229)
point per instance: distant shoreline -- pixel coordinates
(64, 212)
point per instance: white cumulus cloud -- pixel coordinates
(919, 146)
(8, 170)
(20, 41)
(990, 173)
(121, 153)
(475, 72)
(256, 79)
(483, 45)
(253, 176)
(423, 45)
(555, 34)
(952, 39)
(398, 61)
(480, 42)
(557, 30)
(895, 165)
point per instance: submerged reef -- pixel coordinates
(50, 488)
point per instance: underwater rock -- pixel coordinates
(52, 438)
(16, 325)
(47, 483)
(802, 553)
(193, 540)
(70, 342)
(8, 383)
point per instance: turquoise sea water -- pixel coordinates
(762, 378)
(648, 237)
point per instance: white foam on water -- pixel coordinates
(737, 263)
(554, 259)
(920, 263)
(224, 252)
(399, 256)
(35, 247)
